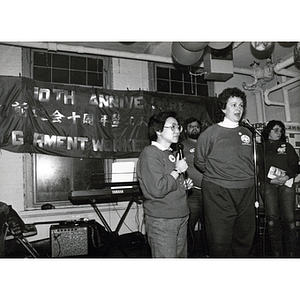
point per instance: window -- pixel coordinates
(55, 176)
(180, 81)
(68, 69)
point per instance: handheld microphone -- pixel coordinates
(180, 150)
(181, 155)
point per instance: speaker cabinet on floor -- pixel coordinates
(68, 240)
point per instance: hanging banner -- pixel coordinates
(55, 119)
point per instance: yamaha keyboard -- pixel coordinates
(112, 192)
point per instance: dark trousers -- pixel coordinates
(279, 204)
(196, 215)
(229, 220)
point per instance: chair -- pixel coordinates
(12, 227)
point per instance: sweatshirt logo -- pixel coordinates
(281, 149)
(172, 158)
(245, 140)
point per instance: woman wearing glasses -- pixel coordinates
(162, 181)
(278, 165)
(224, 153)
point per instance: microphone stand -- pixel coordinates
(246, 123)
(258, 243)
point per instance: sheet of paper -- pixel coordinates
(122, 172)
(274, 172)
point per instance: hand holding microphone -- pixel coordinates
(180, 165)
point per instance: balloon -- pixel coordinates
(262, 50)
(286, 44)
(219, 45)
(297, 53)
(194, 46)
(184, 56)
(261, 46)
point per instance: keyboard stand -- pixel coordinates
(98, 212)
(115, 238)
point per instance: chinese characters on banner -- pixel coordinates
(55, 119)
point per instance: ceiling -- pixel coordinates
(242, 51)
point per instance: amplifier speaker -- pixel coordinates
(69, 240)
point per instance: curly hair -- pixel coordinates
(270, 126)
(157, 123)
(229, 93)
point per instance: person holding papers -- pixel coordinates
(277, 166)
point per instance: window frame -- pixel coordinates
(31, 192)
(196, 71)
(32, 201)
(106, 68)
(30, 159)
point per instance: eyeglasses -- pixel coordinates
(174, 127)
(277, 130)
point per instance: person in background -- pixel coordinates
(224, 153)
(277, 187)
(192, 130)
(164, 186)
